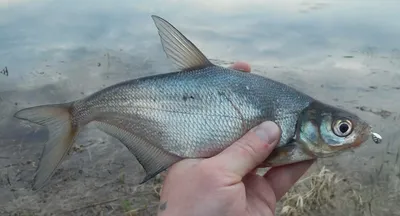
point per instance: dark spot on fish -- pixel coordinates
(16, 104)
(154, 100)
(322, 86)
(82, 93)
(98, 64)
(276, 67)
(373, 87)
(398, 87)
(80, 171)
(348, 56)
(329, 55)
(185, 97)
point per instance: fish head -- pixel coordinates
(324, 130)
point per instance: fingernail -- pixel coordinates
(241, 66)
(268, 132)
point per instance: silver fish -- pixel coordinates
(195, 112)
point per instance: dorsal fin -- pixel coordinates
(184, 54)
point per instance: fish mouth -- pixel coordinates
(365, 133)
(360, 140)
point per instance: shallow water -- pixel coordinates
(341, 52)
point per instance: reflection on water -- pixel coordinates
(342, 52)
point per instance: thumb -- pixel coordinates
(249, 151)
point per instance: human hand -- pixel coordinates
(227, 184)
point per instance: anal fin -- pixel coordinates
(153, 159)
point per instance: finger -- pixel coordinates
(246, 153)
(241, 66)
(283, 178)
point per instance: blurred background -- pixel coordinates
(346, 53)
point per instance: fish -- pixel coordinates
(195, 111)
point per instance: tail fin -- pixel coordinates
(58, 120)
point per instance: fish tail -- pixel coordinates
(58, 120)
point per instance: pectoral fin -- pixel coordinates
(153, 159)
(287, 154)
(183, 53)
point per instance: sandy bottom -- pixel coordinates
(101, 177)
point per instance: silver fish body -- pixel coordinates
(195, 112)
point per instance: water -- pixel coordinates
(341, 52)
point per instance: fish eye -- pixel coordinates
(342, 128)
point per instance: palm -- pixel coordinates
(258, 194)
(261, 199)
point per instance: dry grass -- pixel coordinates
(319, 193)
(322, 191)
(147, 209)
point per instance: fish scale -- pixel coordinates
(195, 112)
